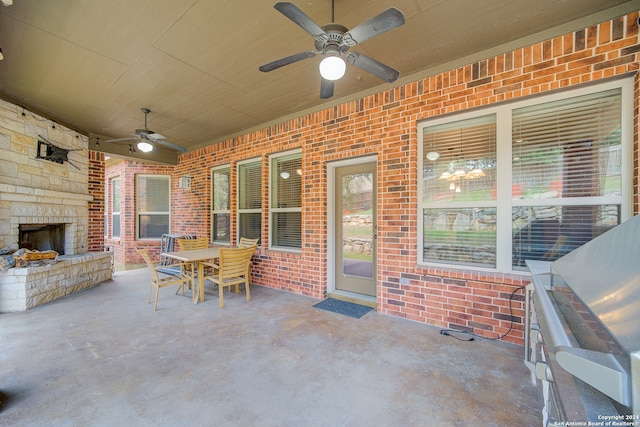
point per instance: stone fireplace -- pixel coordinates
(44, 206)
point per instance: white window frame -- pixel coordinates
(504, 202)
(115, 213)
(239, 189)
(272, 210)
(139, 212)
(107, 200)
(218, 211)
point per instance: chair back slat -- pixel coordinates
(195, 243)
(233, 261)
(245, 242)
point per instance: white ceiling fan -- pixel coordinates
(148, 137)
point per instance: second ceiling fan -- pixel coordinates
(146, 137)
(334, 41)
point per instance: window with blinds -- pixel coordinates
(465, 168)
(249, 178)
(528, 180)
(459, 192)
(115, 207)
(220, 212)
(153, 205)
(285, 205)
(566, 174)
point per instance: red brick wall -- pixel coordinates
(96, 206)
(384, 124)
(193, 205)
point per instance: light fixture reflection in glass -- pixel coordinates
(284, 175)
(299, 172)
(459, 173)
(475, 173)
(145, 147)
(433, 156)
(332, 67)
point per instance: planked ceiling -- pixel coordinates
(92, 64)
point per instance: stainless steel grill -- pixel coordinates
(583, 330)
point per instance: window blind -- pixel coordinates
(220, 193)
(568, 148)
(250, 199)
(152, 193)
(286, 200)
(220, 213)
(152, 202)
(250, 177)
(562, 151)
(466, 166)
(463, 174)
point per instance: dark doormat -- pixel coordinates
(343, 307)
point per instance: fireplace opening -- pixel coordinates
(42, 237)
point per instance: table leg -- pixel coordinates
(201, 279)
(194, 291)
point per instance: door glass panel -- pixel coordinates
(357, 225)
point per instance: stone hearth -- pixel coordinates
(25, 288)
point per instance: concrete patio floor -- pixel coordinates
(103, 357)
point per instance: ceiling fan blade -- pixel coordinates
(292, 12)
(387, 20)
(154, 135)
(287, 60)
(326, 88)
(372, 66)
(121, 139)
(168, 144)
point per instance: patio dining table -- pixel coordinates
(196, 257)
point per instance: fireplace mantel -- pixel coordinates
(20, 193)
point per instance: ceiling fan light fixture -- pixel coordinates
(332, 68)
(145, 147)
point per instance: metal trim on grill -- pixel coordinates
(582, 332)
(600, 370)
